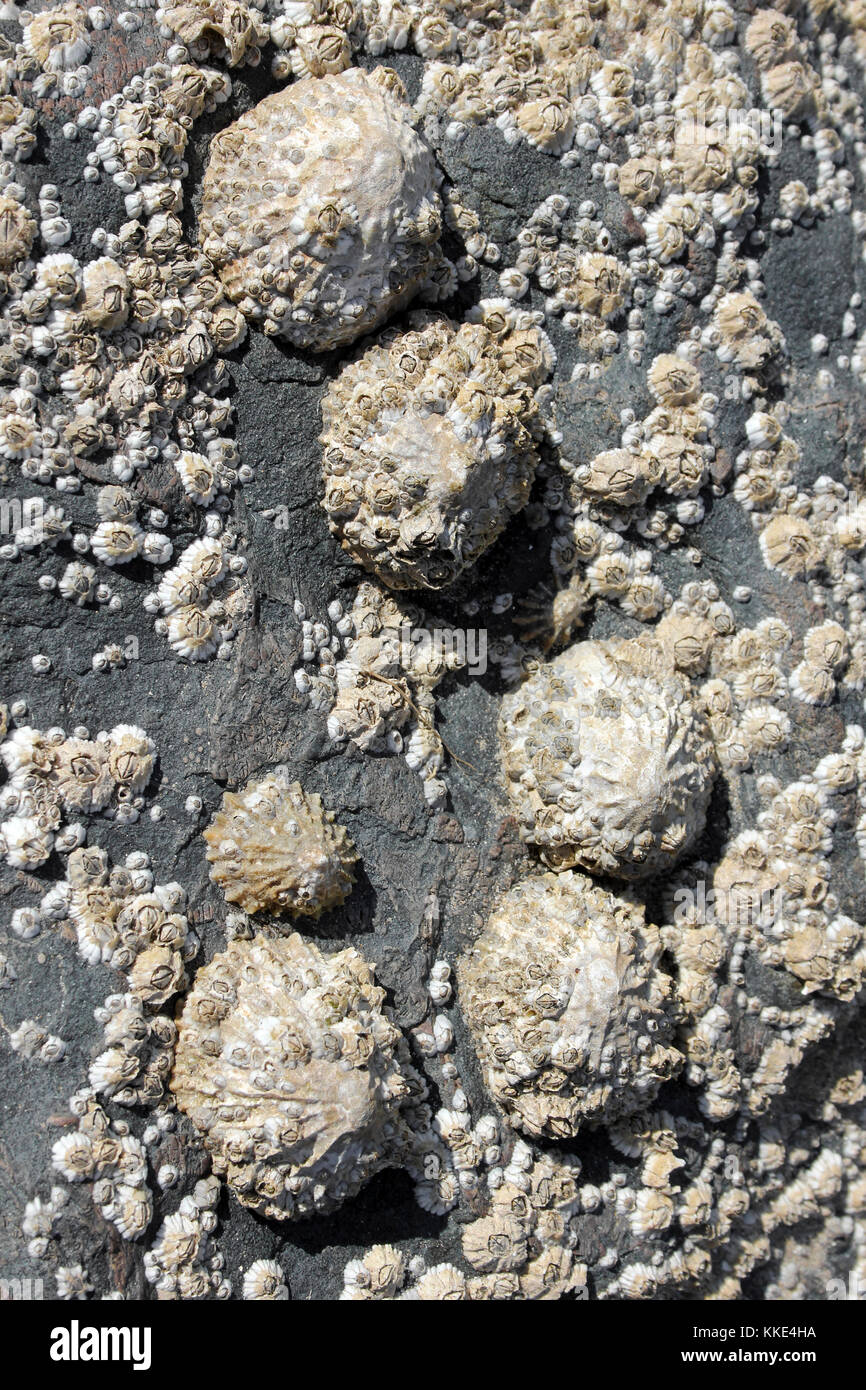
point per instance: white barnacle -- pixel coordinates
(265, 1281)
(192, 633)
(198, 476)
(72, 1156)
(73, 1282)
(116, 542)
(26, 842)
(78, 582)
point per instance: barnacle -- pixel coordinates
(827, 646)
(117, 542)
(788, 543)
(495, 1244)
(548, 124)
(680, 217)
(106, 293)
(379, 1275)
(273, 847)
(771, 38)
(17, 230)
(18, 138)
(198, 476)
(571, 1017)
(192, 633)
(58, 38)
(320, 208)
(673, 380)
(84, 778)
(429, 444)
(290, 1067)
(619, 476)
(791, 87)
(224, 28)
(130, 756)
(746, 335)
(608, 759)
(602, 285)
(441, 1284)
(640, 180)
(264, 1281)
(25, 841)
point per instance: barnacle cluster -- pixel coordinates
(429, 443)
(123, 919)
(181, 1263)
(576, 1026)
(113, 1161)
(320, 208)
(53, 776)
(221, 29)
(290, 1067)
(520, 1248)
(120, 357)
(274, 848)
(32, 1042)
(770, 898)
(375, 675)
(608, 759)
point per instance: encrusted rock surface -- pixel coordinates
(672, 197)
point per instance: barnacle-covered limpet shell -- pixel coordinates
(274, 848)
(429, 444)
(569, 1012)
(608, 759)
(320, 208)
(293, 1072)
